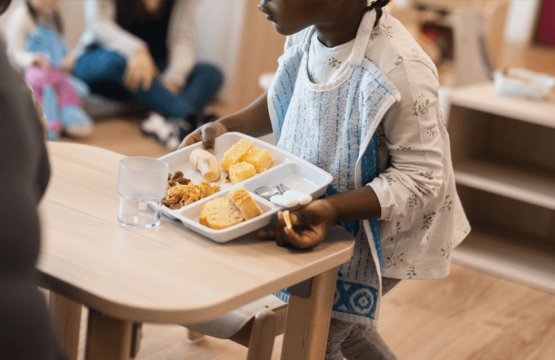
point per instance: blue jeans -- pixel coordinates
(103, 71)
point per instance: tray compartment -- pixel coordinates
(190, 215)
(295, 176)
(179, 160)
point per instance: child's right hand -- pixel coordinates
(207, 134)
(40, 62)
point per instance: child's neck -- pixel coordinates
(343, 30)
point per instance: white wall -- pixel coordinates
(219, 25)
(521, 21)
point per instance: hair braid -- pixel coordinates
(377, 5)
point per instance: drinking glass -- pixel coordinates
(142, 184)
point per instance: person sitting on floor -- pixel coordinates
(127, 44)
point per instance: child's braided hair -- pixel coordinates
(377, 5)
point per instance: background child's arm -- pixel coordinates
(253, 120)
(20, 26)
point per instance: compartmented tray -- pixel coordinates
(289, 170)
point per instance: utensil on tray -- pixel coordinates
(283, 196)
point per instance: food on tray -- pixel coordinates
(287, 218)
(242, 199)
(236, 153)
(182, 191)
(241, 171)
(259, 158)
(206, 163)
(177, 178)
(245, 151)
(221, 213)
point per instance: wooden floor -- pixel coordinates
(469, 315)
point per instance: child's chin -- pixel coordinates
(283, 30)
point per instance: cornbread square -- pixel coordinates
(236, 153)
(240, 172)
(242, 199)
(260, 158)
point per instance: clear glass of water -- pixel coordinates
(142, 184)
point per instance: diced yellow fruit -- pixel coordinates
(241, 171)
(261, 159)
(236, 153)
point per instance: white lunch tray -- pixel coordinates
(289, 170)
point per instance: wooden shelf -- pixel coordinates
(512, 256)
(482, 97)
(530, 185)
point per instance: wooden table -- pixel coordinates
(163, 275)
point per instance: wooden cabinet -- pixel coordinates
(503, 153)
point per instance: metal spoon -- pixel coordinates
(266, 192)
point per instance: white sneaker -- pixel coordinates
(180, 129)
(156, 125)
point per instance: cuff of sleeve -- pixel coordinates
(383, 198)
(131, 49)
(26, 60)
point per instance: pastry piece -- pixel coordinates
(206, 163)
(259, 158)
(241, 171)
(236, 153)
(220, 213)
(287, 218)
(242, 199)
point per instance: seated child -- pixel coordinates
(355, 95)
(36, 47)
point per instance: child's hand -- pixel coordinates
(40, 62)
(68, 64)
(310, 226)
(207, 134)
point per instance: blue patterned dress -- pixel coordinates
(334, 127)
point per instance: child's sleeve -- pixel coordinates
(101, 15)
(182, 42)
(414, 141)
(20, 26)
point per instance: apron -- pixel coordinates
(334, 127)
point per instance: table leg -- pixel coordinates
(111, 339)
(65, 315)
(194, 337)
(308, 320)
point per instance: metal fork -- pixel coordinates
(282, 188)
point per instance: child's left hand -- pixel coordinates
(310, 226)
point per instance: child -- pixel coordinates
(36, 47)
(356, 95)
